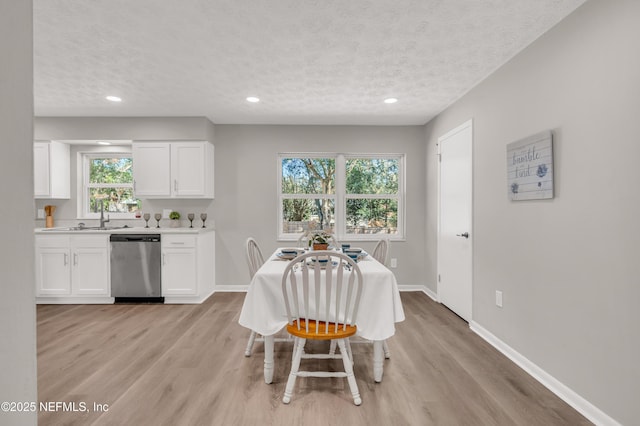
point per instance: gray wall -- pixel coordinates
(246, 193)
(17, 300)
(134, 128)
(245, 178)
(567, 266)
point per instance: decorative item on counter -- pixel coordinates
(146, 217)
(49, 210)
(191, 216)
(157, 217)
(175, 219)
(203, 217)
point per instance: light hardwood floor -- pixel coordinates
(184, 365)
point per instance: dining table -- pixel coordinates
(264, 311)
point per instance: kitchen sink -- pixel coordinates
(87, 228)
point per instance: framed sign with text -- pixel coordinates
(530, 167)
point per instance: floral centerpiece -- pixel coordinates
(320, 240)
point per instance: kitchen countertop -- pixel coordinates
(130, 230)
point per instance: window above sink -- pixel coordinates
(107, 176)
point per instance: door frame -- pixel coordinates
(464, 125)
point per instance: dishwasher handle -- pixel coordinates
(134, 238)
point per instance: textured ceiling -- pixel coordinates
(309, 61)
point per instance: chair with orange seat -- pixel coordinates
(322, 292)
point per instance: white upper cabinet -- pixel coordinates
(152, 169)
(173, 169)
(51, 170)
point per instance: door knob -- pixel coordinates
(464, 234)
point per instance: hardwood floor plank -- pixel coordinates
(185, 364)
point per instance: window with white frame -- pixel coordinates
(354, 196)
(107, 179)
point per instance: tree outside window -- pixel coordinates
(352, 196)
(371, 195)
(109, 179)
(308, 194)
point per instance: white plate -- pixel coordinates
(286, 256)
(361, 255)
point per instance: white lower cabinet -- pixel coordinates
(179, 265)
(73, 267)
(188, 271)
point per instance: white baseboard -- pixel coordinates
(419, 287)
(584, 407)
(411, 287)
(232, 288)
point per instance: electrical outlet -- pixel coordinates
(499, 299)
(40, 214)
(166, 213)
(394, 263)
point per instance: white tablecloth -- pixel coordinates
(380, 307)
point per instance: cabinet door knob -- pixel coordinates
(464, 234)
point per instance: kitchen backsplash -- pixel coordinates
(66, 213)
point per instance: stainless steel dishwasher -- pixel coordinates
(135, 268)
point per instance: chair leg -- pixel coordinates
(387, 352)
(295, 366)
(252, 338)
(332, 347)
(348, 345)
(348, 368)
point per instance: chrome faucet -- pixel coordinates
(102, 219)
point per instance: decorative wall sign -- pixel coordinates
(530, 167)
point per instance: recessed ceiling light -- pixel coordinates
(104, 143)
(253, 99)
(114, 99)
(390, 101)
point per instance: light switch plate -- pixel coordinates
(40, 214)
(499, 299)
(166, 213)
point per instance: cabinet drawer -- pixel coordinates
(52, 241)
(179, 241)
(93, 241)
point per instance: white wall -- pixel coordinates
(246, 193)
(567, 266)
(17, 301)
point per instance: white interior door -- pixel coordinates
(455, 219)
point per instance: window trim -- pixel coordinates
(83, 183)
(340, 197)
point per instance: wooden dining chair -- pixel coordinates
(322, 292)
(254, 261)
